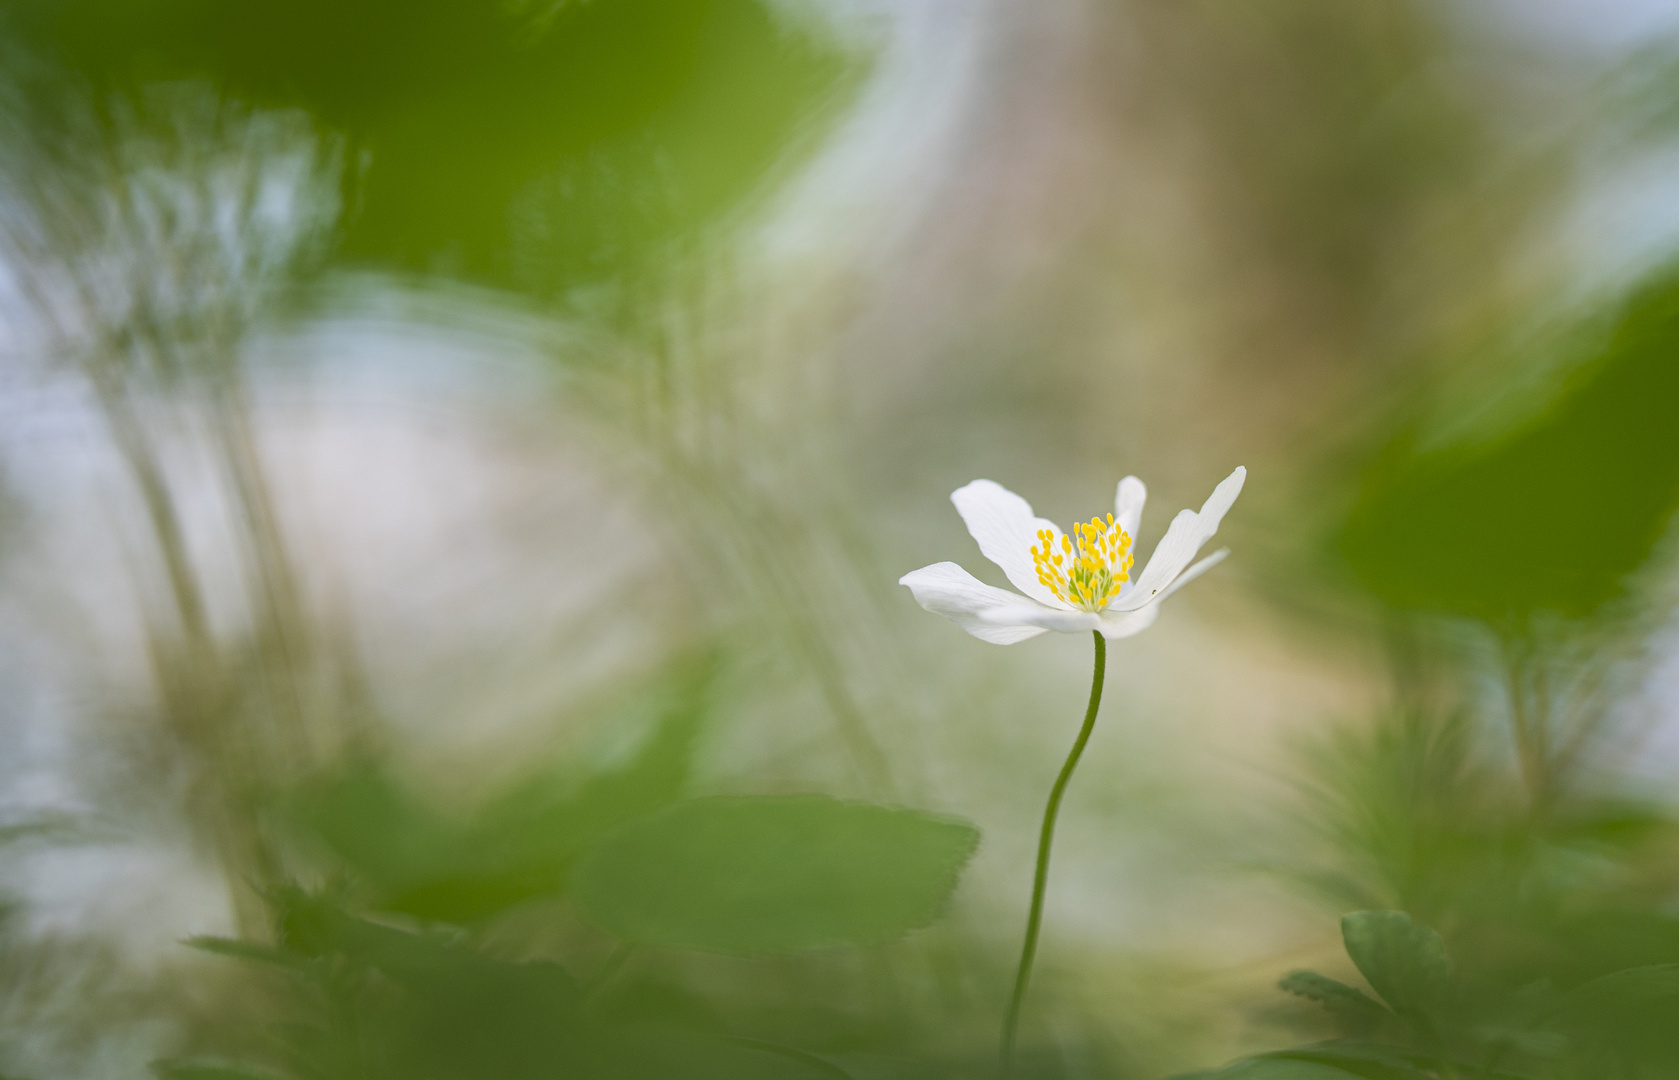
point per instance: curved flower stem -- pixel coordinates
(1046, 836)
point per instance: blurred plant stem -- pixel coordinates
(1560, 679)
(192, 676)
(1530, 718)
(1046, 837)
(735, 443)
(152, 248)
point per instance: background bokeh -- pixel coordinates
(456, 459)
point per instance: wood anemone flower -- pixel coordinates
(1069, 582)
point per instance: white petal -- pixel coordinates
(1193, 572)
(1189, 531)
(1118, 624)
(1003, 525)
(1128, 505)
(988, 613)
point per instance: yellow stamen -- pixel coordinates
(1101, 563)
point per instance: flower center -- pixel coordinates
(1090, 575)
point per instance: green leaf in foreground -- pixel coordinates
(1333, 995)
(197, 1070)
(1402, 960)
(1273, 1068)
(1327, 1061)
(1627, 1017)
(521, 845)
(773, 874)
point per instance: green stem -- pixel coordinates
(1046, 836)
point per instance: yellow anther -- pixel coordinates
(1099, 568)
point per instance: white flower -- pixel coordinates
(1071, 584)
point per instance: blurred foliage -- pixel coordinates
(398, 968)
(1552, 514)
(750, 875)
(1555, 940)
(520, 844)
(773, 874)
(1432, 1025)
(1337, 145)
(1418, 814)
(372, 1001)
(174, 168)
(545, 146)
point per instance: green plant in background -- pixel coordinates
(546, 147)
(1069, 588)
(1431, 1023)
(1535, 526)
(1503, 818)
(412, 959)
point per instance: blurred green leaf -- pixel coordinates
(1275, 1068)
(647, 1053)
(429, 1006)
(252, 951)
(315, 926)
(1629, 1017)
(391, 839)
(1613, 933)
(459, 1013)
(195, 1070)
(1371, 1060)
(537, 145)
(524, 844)
(1329, 1061)
(1337, 996)
(656, 1002)
(1403, 962)
(762, 875)
(518, 846)
(1554, 513)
